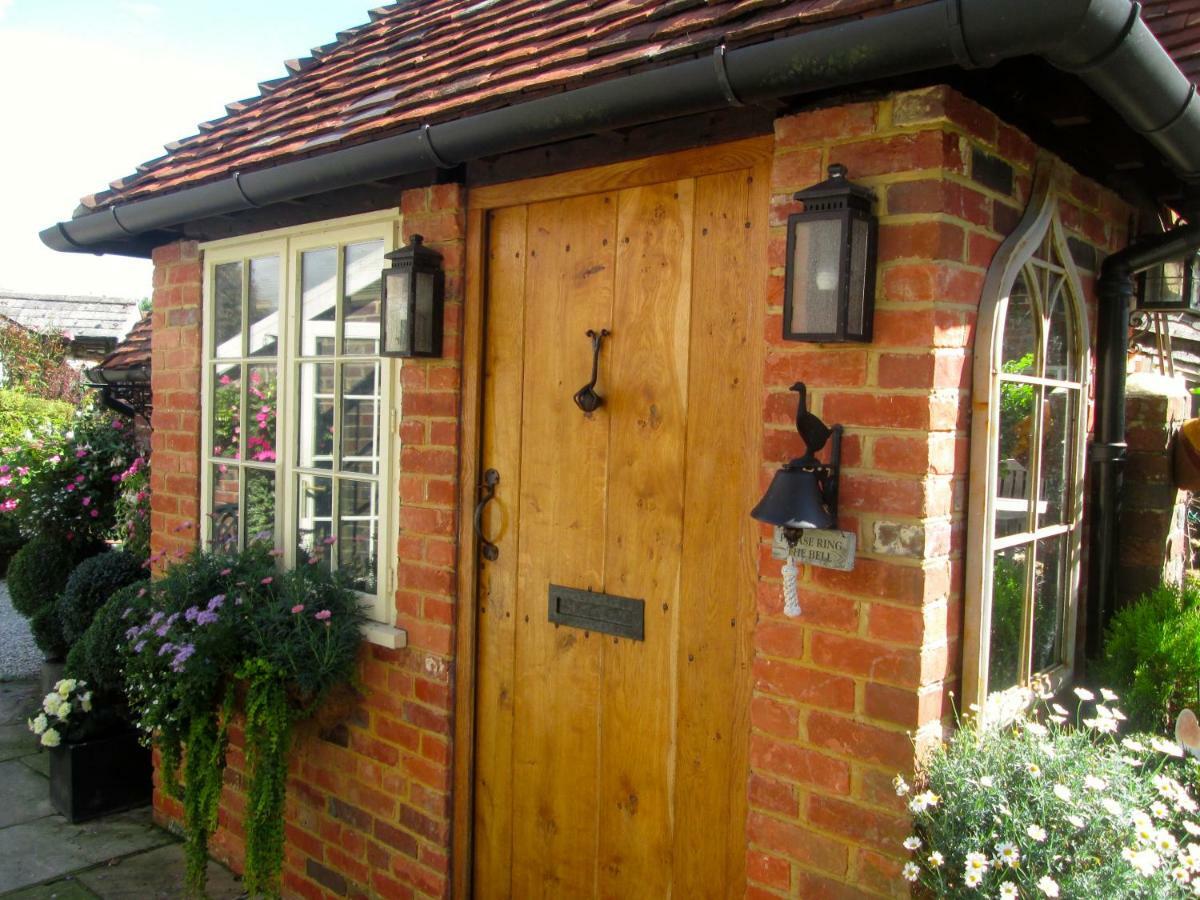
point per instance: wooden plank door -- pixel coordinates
(607, 766)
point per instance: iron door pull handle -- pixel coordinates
(490, 479)
(586, 397)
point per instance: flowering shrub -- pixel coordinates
(52, 723)
(1045, 808)
(67, 483)
(216, 629)
(36, 363)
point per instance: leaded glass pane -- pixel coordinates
(1050, 588)
(227, 410)
(1008, 604)
(358, 532)
(227, 294)
(318, 302)
(360, 417)
(316, 432)
(363, 279)
(264, 306)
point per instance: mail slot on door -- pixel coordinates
(598, 612)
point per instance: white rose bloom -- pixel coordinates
(85, 702)
(65, 687)
(51, 738)
(38, 724)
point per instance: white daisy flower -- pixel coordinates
(1062, 792)
(1048, 886)
(1109, 696)
(900, 785)
(1092, 783)
(1034, 770)
(1084, 694)
(1168, 747)
(912, 842)
(936, 860)
(1008, 891)
(1037, 832)
(972, 879)
(1008, 854)
(976, 862)
(911, 871)
(1133, 746)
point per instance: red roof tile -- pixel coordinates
(422, 63)
(133, 352)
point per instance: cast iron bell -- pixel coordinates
(795, 499)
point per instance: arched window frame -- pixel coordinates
(1039, 220)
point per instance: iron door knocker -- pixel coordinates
(586, 397)
(489, 550)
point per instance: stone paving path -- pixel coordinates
(42, 856)
(19, 655)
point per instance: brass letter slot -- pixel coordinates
(598, 612)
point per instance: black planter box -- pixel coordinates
(100, 776)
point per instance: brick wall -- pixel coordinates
(1153, 544)
(175, 381)
(842, 693)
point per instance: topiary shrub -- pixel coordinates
(39, 571)
(47, 632)
(91, 584)
(11, 540)
(1152, 655)
(96, 656)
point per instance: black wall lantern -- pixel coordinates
(1172, 287)
(830, 291)
(410, 319)
(803, 494)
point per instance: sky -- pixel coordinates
(91, 88)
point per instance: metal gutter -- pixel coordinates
(1115, 289)
(1103, 42)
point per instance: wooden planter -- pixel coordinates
(100, 776)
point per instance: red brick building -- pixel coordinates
(631, 167)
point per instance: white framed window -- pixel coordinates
(299, 437)
(1028, 439)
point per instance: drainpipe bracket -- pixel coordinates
(237, 183)
(425, 138)
(1101, 453)
(958, 37)
(723, 81)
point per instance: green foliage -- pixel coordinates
(91, 584)
(1016, 404)
(1036, 802)
(96, 657)
(47, 633)
(216, 620)
(11, 540)
(1152, 654)
(39, 571)
(24, 416)
(207, 739)
(268, 737)
(36, 363)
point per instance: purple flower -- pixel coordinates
(166, 648)
(181, 656)
(216, 602)
(139, 646)
(206, 618)
(157, 617)
(162, 630)
(191, 612)
(172, 618)
(131, 633)
(128, 610)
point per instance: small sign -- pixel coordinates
(819, 547)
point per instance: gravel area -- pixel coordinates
(19, 656)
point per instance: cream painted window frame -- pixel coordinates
(1040, 218)
(288, 244)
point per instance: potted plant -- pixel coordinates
(97, 765)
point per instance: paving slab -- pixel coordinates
(39, 762)
(156, 875)
(17, 741)
(18, 701)
(45, 849)
(26, 795)
(65, 889)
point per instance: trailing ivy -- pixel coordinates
(204, 769)
(222, 626)
(268, 737)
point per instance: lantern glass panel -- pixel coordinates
(398, 301)
(816, 276)
(856, 299)
(423, 327)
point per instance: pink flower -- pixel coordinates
(329, 541)
(322, 615)
(116, 478)
(225, 379)
(9, 505)
(70, 487)
(56, 459)
(267, 580)
(118, 424)
(298, 608)
(5, 480)
(276, 552)
(80, 453)
(226, 572)
(96, 515)
(79, 479)
(4, 468)
(86, 501)
(22, 470)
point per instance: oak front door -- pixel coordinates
(608, 765)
